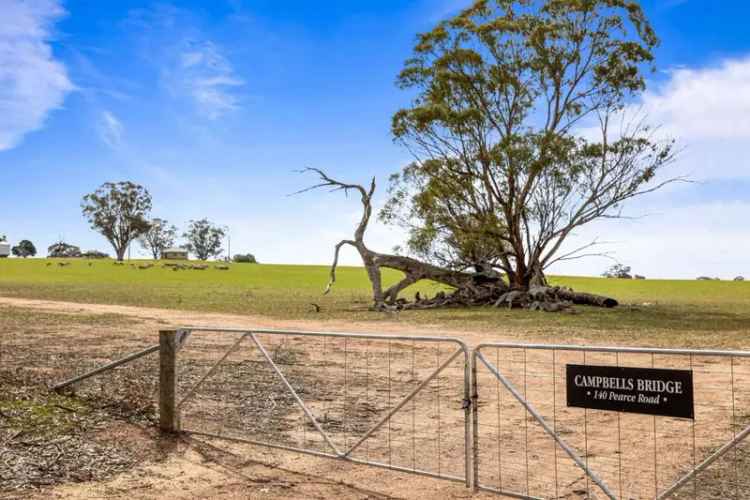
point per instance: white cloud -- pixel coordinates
(32, 81)
(706, 238)
(110, 129)
(689, 230)
(704, 103)
(707, 111)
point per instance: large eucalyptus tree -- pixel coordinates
(517, 132)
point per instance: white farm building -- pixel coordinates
(4, 249)
(174, 254)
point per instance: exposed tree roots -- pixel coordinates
(548, 299)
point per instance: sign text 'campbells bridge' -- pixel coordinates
(652, 391)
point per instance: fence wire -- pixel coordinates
(629, 456)
(392, 402)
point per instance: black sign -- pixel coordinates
(652, 391)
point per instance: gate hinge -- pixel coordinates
(466, 403)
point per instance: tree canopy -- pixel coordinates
(517, 132)
(160, 236)
(204, 239)
(119, 211)
(24, 249)
(63, 250)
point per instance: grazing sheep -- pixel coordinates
(63, 264)
(145, 266)
(49, 264)
(222, 268)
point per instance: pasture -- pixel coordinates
(652, 312)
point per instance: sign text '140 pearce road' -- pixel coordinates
(653, 391)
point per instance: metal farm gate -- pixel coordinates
(530, 440)
(396, 402)
(521, 420)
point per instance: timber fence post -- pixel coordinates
(169, 418)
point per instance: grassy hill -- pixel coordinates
(651, 308)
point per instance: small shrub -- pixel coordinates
(247, 258)
(24, 249)
(95, 254)
(63, 250)
(618, 271)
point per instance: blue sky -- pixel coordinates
(214, 105)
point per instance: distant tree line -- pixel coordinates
(120, 211)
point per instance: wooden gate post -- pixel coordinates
(169, 418)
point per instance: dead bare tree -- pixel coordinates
(482, 288)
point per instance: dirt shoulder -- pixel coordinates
(160, 318)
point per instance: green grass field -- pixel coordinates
(652, 311)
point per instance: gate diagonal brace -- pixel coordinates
(408, 398)
(210, 372)
(705, 464)
(538, 417)
(295, 395)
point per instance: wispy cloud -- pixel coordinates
(32, 81)
(206, 75)
(191, 64)
(110, 129)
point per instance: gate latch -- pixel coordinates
(466, 403)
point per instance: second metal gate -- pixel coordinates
(528, 443)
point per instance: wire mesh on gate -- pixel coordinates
(528, 443)
(392, 402)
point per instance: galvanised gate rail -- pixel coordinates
(396, 402)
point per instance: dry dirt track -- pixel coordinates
(197, 469)
(160, 318)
